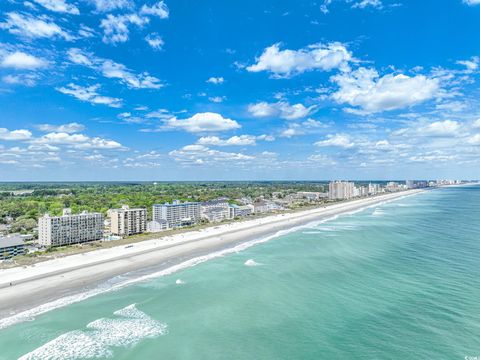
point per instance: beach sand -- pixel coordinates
(58, 282)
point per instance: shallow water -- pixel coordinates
(395, 281)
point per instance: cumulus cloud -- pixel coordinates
(200, 155)
(285, 63)
(22, 61)
(471, 2)
(109, 5)
(366, 89)
(77, 141)
(471, 64)
(474, 139)
(58, 6)
(337, 140)
(116, 27)
(90, 94)
(280, 109)
(441, 128)
(63, 128)
(20, 79)
(33, 27)
(22, 134)
(203, 122)
(155, 41)
(216, 80)
(242, 140)
(113, 70)
(366, 3)
(159, 9)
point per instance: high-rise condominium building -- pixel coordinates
(339, 190)
(177, 214)
(69, 229)
(126, 221)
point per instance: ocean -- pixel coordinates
(400, 280)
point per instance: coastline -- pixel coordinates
(54, 283)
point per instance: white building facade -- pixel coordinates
(126, 221)
(177, 214)
(70, 229)
(341, 190)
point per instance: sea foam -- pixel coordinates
(127, 327)
(251, 262)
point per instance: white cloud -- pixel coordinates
(471, 2)
(471, 64)
(86, 32)
(109, 5)
(285, 63)
(155, 41)
(33, 27)
(441, 128)
(63, 128)
(366, 3)
(22, 134)
(21, 79)
(22, 61)
(90, 95)
(476, 124)
(200, 155)
(216, 80)
(217, 99)
(337, 140)
(474, 140)
(159, 9)
(242, 140)
(113, 70)
(203, 122)
(77, 141)
(280, 109)
(78, 57)
(58, 6)
(322, 160)
(364, 88)
(115, 27)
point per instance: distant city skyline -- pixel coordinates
(122, 90)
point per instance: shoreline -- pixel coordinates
(54, 283)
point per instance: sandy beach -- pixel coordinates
(25, 288)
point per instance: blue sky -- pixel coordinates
(235, 90)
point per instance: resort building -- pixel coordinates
(69, 229)
(11, 245)
(126, 221)
(240, 211)
(215, 210)
(341, 190)
(177, 214)
(157, 226)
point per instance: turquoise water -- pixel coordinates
(397, 281)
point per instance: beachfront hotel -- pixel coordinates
(69, 229)
(126, 221)
(341, 190)
(177, 214)
(215, 210)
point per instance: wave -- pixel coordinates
(128, 326)
(30, 315)
(179, 282)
